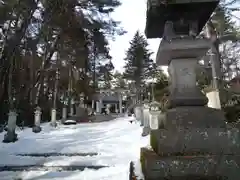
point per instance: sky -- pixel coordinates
(132, 14)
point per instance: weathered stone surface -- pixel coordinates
(195, 130)
(183, 89)
(157, 167)
(194, 117)
(195, 141)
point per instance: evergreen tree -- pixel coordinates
(77, 31)
(138, 60)
(119, 81)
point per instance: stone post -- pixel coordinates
(154, 111)
(97, 107)
(100, 105)
(37, 121)
(137, 113)
(72, 107)
(120, 102)
(116, 108)
(64, 112)
(93, 105)
(141, 114)
(53, 118)
(108, 108)
(11, 135)
(146, 125)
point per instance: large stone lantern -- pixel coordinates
(155, 111)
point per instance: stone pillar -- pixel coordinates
(120, 103)
(116, 108)
(64, 112)
(141, 115)
(108, 108)
(100, 105)
(137, 113)
(72, 107)
(54, 118)
(146, 124)
(11, 135)
(93, 105)
(97, 107)
(37, 120)
(82, 103)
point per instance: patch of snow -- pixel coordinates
(138, 170)
(117, 142)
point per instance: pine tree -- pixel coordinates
(138, 60)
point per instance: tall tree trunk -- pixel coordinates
(45, 61)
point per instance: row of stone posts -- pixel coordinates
(149, 115)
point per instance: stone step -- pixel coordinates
(57, 154)
(49, 168)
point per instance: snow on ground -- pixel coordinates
(118, 142)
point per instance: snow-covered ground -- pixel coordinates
(117, 143)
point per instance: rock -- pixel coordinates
(53, 124)
(10, 137)
(36, 129)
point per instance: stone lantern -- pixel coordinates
(155, 111)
